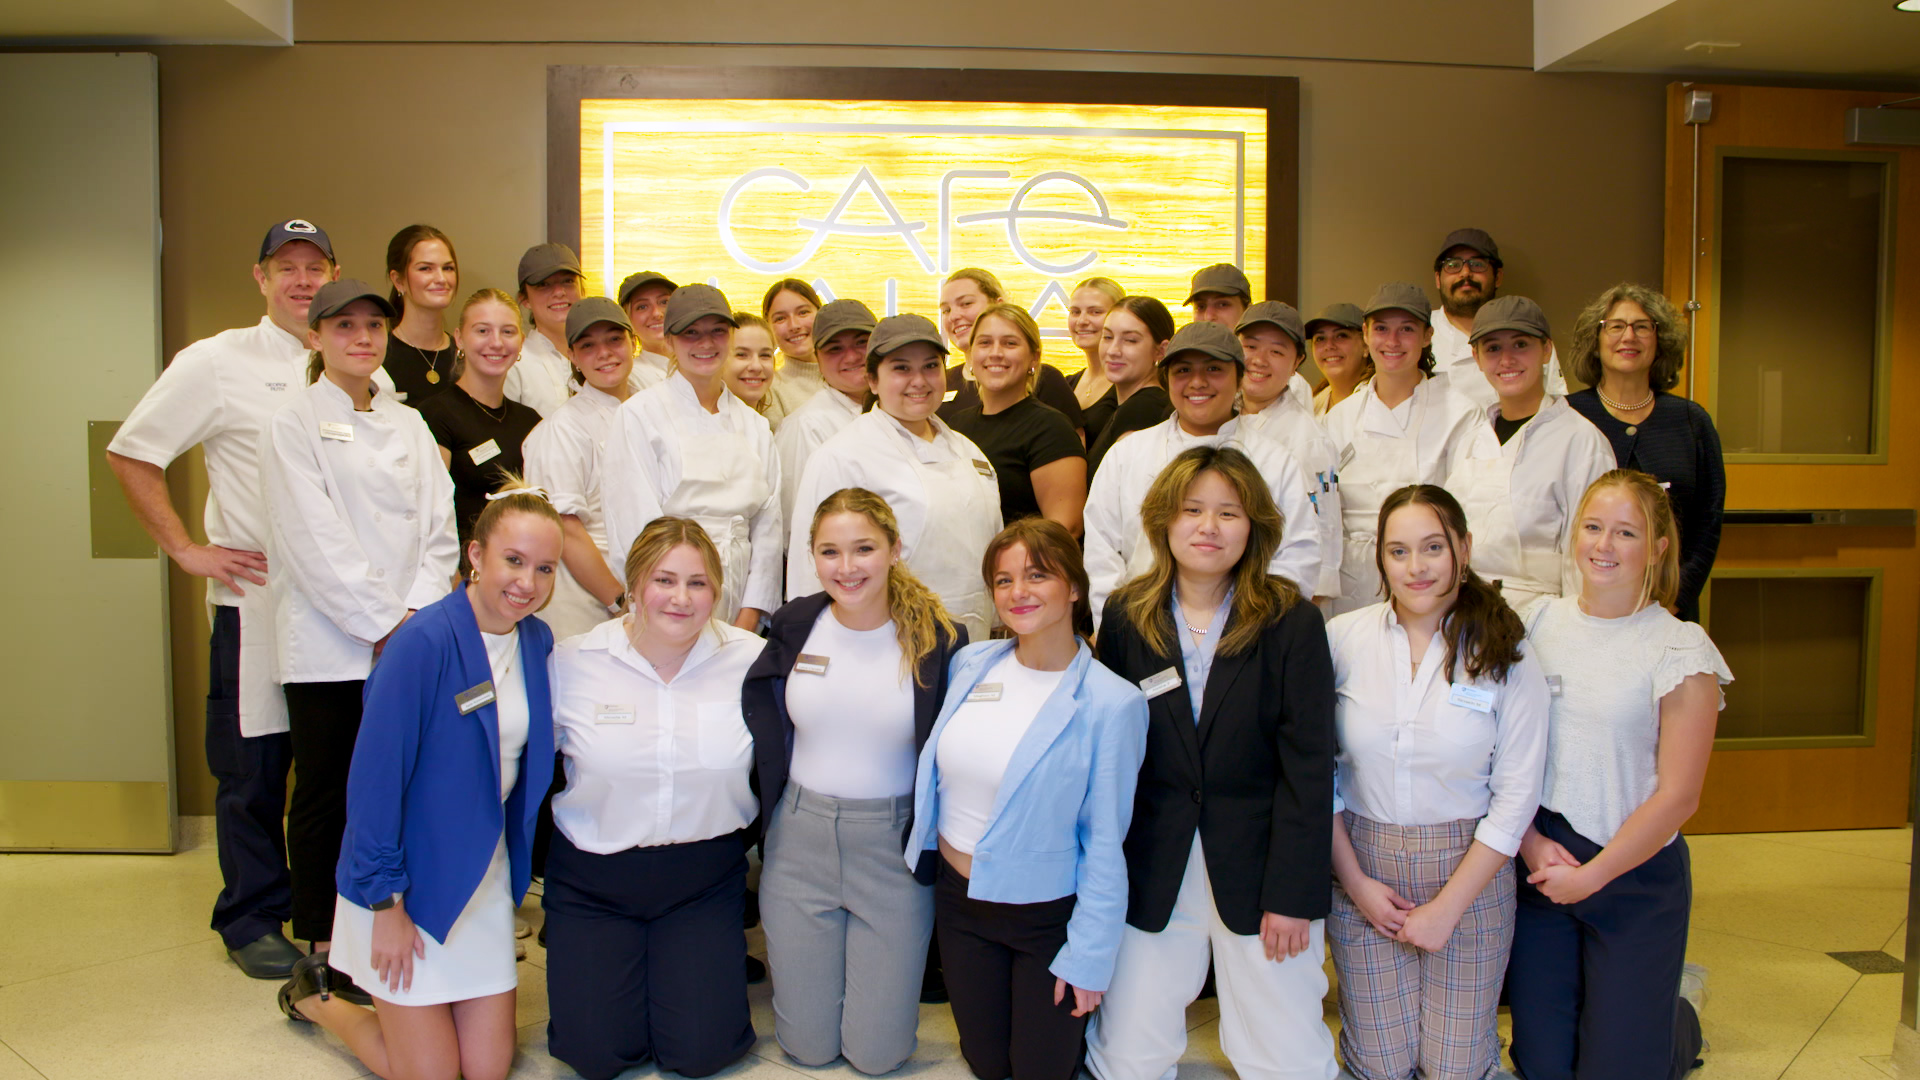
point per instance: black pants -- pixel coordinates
(1595, 985)
(325, 718)
(996, 958)
(249, 800)
(646, 958)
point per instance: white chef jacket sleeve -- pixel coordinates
(1519, 758)
(1298, 557)
(440, 549)
(1108, 527)
(766, 534)
(1589, 457)
(629, 481)
(179, 411)
(793, 446)
(824, 475)
(558, 466)
(312, 543)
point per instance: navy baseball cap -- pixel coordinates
(295, 229)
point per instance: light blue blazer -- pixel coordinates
(1062, 809)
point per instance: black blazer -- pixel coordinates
(763, 698)
(1254, 777)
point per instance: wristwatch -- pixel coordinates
(382, 905)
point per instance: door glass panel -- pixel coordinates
(1798, 650)
(1799, 280)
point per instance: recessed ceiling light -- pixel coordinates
(1907, 5)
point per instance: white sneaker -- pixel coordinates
(1693, 987)
(521, 927)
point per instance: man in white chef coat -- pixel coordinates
(1467, 274)
(219, 394)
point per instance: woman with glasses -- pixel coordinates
(1628, 346)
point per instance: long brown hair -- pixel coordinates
(793, 285)
(1259, 598)
(1662, 584)
(1480, 630)
(400, 253)
(1053, 549)
(917, 613)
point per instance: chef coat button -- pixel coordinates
(411, 515)
(402, 463)
(380, 573)
(1196, 794)
(379, 517)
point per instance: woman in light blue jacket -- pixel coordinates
(1025, 788)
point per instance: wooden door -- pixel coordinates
(1805, 262)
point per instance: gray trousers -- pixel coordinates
(847, 930)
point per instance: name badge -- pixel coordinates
(811, 664)
(1553, 686)
(1346, 457)
(983, 468)
(949, 395)
(485, 452)
(333, 429)
(474, 697)
(1155, 685)
(613, 714)
(1471, 697)
(986, 691)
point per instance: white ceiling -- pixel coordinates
(1862, 41)
(148, 22)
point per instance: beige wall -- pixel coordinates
(1565, 170)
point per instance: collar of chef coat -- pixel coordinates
(337, 400)
(1377, 418)
(942, 448)
(611, 638)
(1552, 407)
(599, 398)
(681, 390)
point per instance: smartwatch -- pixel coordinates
(382, 905)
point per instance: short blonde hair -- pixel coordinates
(1105, 286)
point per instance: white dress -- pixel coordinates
(477, 958)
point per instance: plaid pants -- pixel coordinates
(1405, 1012)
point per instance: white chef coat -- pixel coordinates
(944, 493)
(1117, 549)
(1520, 497)
(219, 393)
(1416, 749)
(1382, 450)
(562, 456)
(542, 379)
(665, 454)
(805, 430)
(794, 383)
(651, 369)
(1453, 357)
(651, 761)
(362, 528)
(1290, 419)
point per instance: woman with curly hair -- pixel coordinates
(1628, 347)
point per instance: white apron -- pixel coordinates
(1484, 486)
(963, 509)
(723, 483)
(263, 705)
(1373, 467)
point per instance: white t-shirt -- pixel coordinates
(509, 702)
(852, 712)
(1607, 677)
(978, 743)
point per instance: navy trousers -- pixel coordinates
(646, 958)
(249, 800)
(1595, 986)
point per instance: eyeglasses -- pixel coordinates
(1614, 328)
(1476, 264)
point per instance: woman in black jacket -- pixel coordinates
(1230, 854)
(840, 703)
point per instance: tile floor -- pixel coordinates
(107, 970)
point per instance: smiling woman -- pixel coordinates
(424, 275)
(1041, 465)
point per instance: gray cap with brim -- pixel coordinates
(585, 314)
(839, 316)
(334, 296)
(1224, 278)
(1399, 296)
(1284, 316)
(1510, 313)
(632, 283)
(1207, 338)
(1348, 316)
(691, 303)
(895, 332)
(542, 261)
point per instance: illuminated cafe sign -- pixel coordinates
(879, 201)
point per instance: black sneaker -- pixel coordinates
(756, 971)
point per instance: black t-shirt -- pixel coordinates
(1097, 414)
(1148, 406)
(1505, 429)
(1018, 440)
(408, 368)
(470, 430)
(1052, 390)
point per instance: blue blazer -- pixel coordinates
(1062, 809)
(423, 796)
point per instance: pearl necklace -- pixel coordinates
(1619, 407)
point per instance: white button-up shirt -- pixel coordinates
(362, 528)
(542, 378)
(562, 457)
(647, 446)
(651, 761)
(1453, 357)
(1415, 749)
(1117, 547)
(805, 430)
(220, 392)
